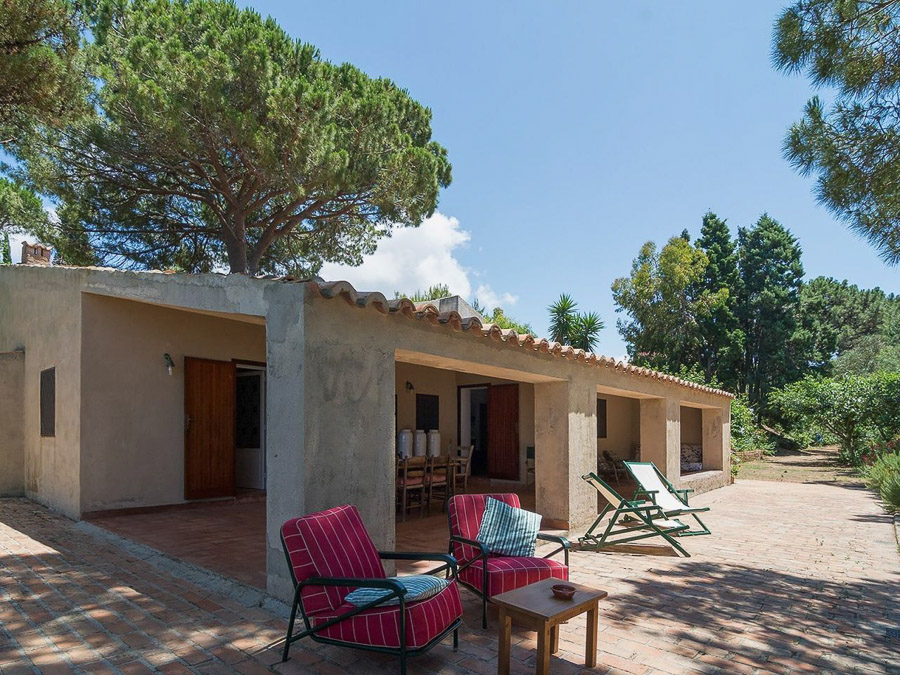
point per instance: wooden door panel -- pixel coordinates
(209, 407)
(503, 431)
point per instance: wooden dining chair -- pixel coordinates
(439, 480)
(463, 466)
(411, 486)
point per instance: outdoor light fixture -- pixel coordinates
(409, 386)
(170, 364)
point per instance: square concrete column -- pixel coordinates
(285, 428)
(565, 421)
(661, 435)
(331, 416)
(716, 438)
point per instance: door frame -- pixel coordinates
(242, 364)
(459, 388)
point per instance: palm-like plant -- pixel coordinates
(586, 331)
(562, 318)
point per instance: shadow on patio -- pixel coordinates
(761, 617)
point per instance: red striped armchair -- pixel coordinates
(486, 574)
(329, 555)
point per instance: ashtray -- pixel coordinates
(563, 591)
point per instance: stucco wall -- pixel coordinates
(41, 313)
(691, 426)
(12, 431)
(622, 426)
(434, 381)
(132, 441)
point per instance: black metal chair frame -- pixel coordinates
(484, 555)
(397, 591)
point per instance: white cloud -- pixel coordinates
(490, 299)
(15, 246)
(413, 259)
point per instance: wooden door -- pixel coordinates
(503, 431)
(209, 401)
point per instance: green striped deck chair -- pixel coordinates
(653, 487)
(629, 522)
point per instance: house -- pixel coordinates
(123, 390)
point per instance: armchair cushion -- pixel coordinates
(507, 530)
(507, 574)
(464, 513)
(380, 626)
(418, 587)
(332, 543)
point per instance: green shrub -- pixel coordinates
(746, 434)
(883, 476)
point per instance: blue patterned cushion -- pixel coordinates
(506, 530)
(418, 587)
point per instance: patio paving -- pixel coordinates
(796, 577)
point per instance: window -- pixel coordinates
(601, 418)
(48, 402)
(427, 411)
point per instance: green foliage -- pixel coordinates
(20, 209)
(771, 277)
(42, 79)
(562, 318)
(435, 292)
(852, 146)
(568, 326)
(871, 354)
(217, 139)
(853, 408)
(883, 476)
(666, 300)
(5, 252)
(839, 317)
(746, 433)
(721, 340)
(499, 318)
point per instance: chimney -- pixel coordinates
(36, 254)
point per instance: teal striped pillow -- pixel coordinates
(418, 587)
(506, 530)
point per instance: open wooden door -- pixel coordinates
(209, 395)
(503, 431)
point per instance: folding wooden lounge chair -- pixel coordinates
(655, 488)
(630, 521)
(329, 555)
(487, 574)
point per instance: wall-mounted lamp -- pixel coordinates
(170, 364)
(409, 387)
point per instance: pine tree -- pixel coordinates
(768, 308)
(722, 339)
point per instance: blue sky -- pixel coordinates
(578, 131)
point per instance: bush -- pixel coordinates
(853, 408)
(883, 476)
(746, 434)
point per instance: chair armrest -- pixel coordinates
(562, 541)
(389, 584)
(448, 560)
(469, 542)
(650, 493)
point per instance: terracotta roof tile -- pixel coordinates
(428, 312)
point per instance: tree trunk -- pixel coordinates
(235, 240)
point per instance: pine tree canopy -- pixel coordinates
(852, 146)
(220, 141)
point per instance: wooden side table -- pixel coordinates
(536, 607)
